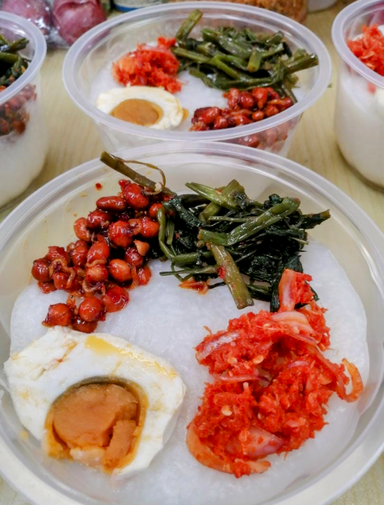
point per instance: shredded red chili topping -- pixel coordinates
(271, 383)
(370, 48)
(149, 66)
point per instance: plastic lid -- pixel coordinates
(343, 22)
(83, 44)
(37, 42)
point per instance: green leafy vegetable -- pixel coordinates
(221, 235)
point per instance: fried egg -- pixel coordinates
(142, 105)
(96, 399)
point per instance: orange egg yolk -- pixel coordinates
(96, 424)
(138, 111)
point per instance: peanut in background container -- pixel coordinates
(23, 135)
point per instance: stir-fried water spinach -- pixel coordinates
(12, 65)
(228, 58)
(221, 236)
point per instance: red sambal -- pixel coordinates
(149, 66)
(271, 383)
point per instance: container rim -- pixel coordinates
(286, 24)
(341, 22)
(42, 493)
(35, 36)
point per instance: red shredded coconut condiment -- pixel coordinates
(272, 383)
(370, 48)
(149, 66)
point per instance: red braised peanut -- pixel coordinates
(120, 233)
(134, 196)
(55, 252)
(142, 247)
(136, 226)
(40, 270)
(206, 115)
(81, 229)
(115, 299)
(79, 324)
(272, 94)
(98, 251)
(99, 219)
(153, 210)
(91, 309)
(233, 98)
(246, 100)
(258, 115)
(133, 258)
(79, 253)
(60, 280)
(120, 270)
(111, 203)
(150, 228)
(238, 120)
(220, 123)
(47, 287)
(271, 110)
(95, 274)
(144, 275)
(59, 314)
(261, 97)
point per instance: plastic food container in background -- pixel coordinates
(295, 9)
(320, 5)
(22, 149)
(107, 42)
(46, 218)
(360, 96)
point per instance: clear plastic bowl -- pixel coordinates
(46, 218)
(110, 40)
(360, 96)
(23, 150)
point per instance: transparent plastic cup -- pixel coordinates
(23, 135)
(359, 114)
(110, 40)
(46, 218)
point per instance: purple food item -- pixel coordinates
(37, 11)
(72, 18)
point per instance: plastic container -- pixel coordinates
(320, 5)
(129, 5)
(360, 97)
(23, 150)
(46, 218)
(105, 43)
(296, 9)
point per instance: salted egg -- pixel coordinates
(96, 399)
(142, 105)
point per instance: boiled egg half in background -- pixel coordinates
(142, 105)
(95, 399)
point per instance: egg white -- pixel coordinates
(168, 103)
(51, 365)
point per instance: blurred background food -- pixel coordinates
(64, 21)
